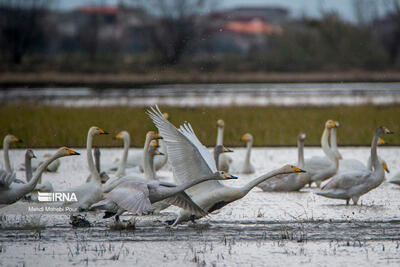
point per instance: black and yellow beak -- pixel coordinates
(118, 136)
(72, 152)
(101, 131)
(17, 140)
(229, 176)
(158, 136)
(385, 167)
(227, 150)
(296, 169)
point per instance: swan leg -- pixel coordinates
(318, 184)
(347, 202)
(355, 199)
(117, 218)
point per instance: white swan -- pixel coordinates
(245, 167)
(90, 192)
(148, 163)
(352, 185)
(190, 159)
(137, 197)
(317, 167)
(289, 182)
(224, 160)
(8, 139)
(11, 192)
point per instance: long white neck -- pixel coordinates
(28, 168)
(147, 163)
(300, 155)
(122, 166)
(6, 157)
(28, 187)
(374, 153)
(220, 136)
(325, 145)
(334, 146)
(253, 183)
(249, 145)
(92, 167)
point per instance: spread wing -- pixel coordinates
(131, 196)
(6, 179)
(347, 180)
(183, 201)
(189, 159)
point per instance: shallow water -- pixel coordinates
(262, 228)
(191, 95)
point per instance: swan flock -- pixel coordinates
(200, 182)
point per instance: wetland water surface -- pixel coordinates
(191, 95)
(262, 228)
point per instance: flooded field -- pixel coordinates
(262, 228)
(192, 95)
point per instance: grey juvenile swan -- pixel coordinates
(353, 184)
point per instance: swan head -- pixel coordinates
(220, 123)
(301, 137)
(330, 124)
(221, 149)
(151, 135)
(122, 135)
(153, 149)
(381, 130)
(12, 139)
(221, 175)
(166, 116)
(66, 151)
(94, 130)
(29, 154)
(385, 166)
(291, 169)
(247, 137)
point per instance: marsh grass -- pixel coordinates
(23, 223)
(46, 126)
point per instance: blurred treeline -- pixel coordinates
(185, 35)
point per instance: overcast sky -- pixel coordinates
(297, 7)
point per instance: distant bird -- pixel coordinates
(190, 159)
(293, 181)
(11, 192)
(245, 167)
(322, 168)
(353, 184)
(8, 139)
(224, 160)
